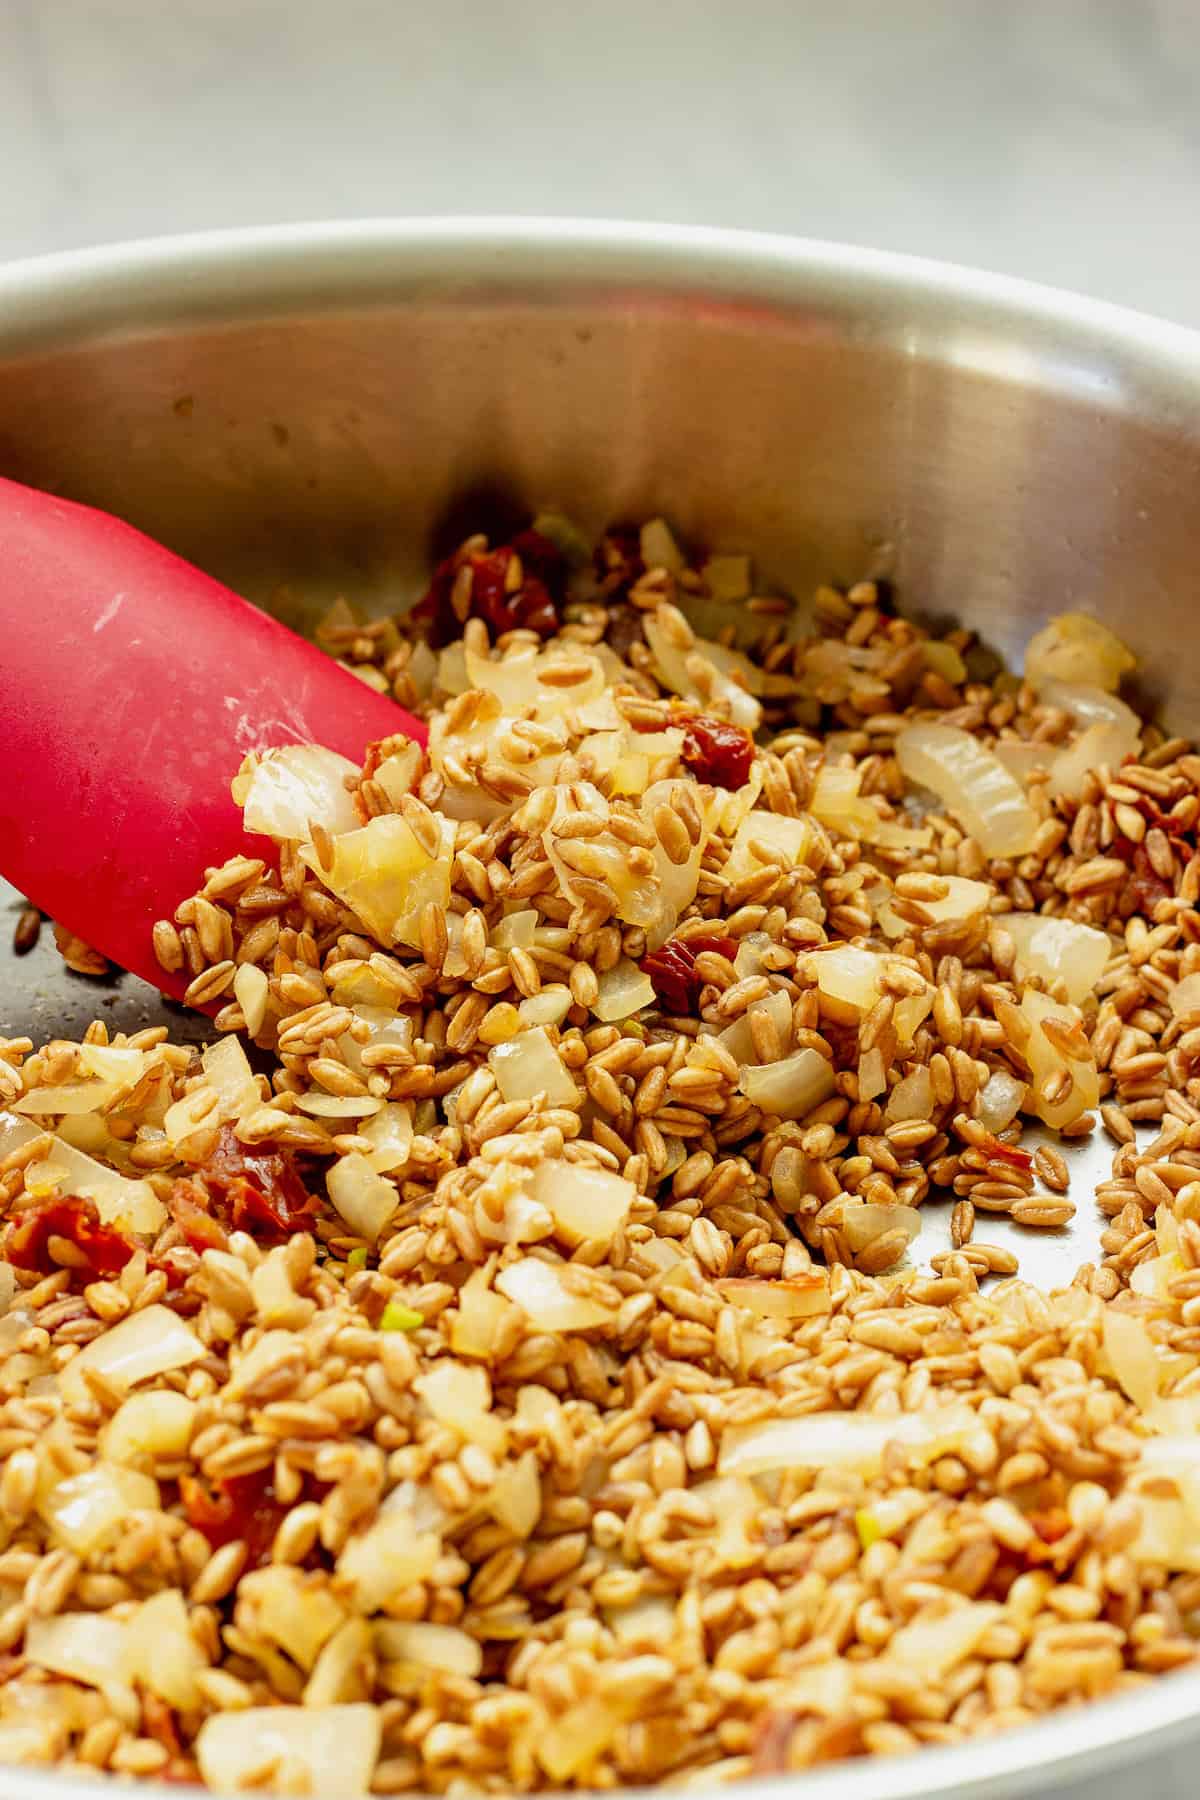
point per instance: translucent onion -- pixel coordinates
(1184, 997)
(788, 840)
(1046, 1061)
(929, 1648)
(517, 680)
(965, 900)
(624, 991)
(790, 1088)
(738, 1038)
(336, 1747)
(1058, 950)
(67, 1098)
(385, 876)
(548, 1007)
(793, 1297)
(842, 1440)
(515, 930)
(971, 782)
(1074, 647)
(528, 1065)
(1131, 1356)
(849, 978)
(587, 1205)
(294, 784)
(88, 1510)
(392, 1554)
(673, 668)
(251, 990)
(162, 1653)
(429, 1646)
(460, 1395)
(292, 1609)
(390, 1133)
(1000, 1099)
(158, 1422)
(836, 802)
(515, 1499)
(84, 1646)
(862, 1225)
(542, 1292)
(659, 550)
(364, 1199)
(229, 1074)
(650, 1621)
(481, 1318)
(1167, 1535)
(911, 1098)
(1110, 732)
(139, 1346)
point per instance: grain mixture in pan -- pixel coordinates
(514, 1374)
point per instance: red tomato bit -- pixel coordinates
(532, 603)
(672, 970)
(103, 1250)
(716, 751)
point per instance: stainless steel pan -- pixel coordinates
(316, 409)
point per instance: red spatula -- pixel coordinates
(131, 687)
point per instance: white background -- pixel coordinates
(1058, 140)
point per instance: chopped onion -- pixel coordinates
(672, 664)
(162, 1653)
(790, 1088)
(251, 990)
(515, 930)
(727, 578)
(788, 840)
(157, 1422)
(1110, 731)
(658, 547)
(390, 1133)
(517, 681)
(567, 1744)
(139, 1346)
(460, 1395)
(541, 1291)
(87, 1510)
(528, 1065)
(587, 1205)
(930, 1647)
(1074, 647)
(793, 1297)
(84, 1646)
(296, 783)
(228, 1073)
(69, 1097)
(549, 1007)
(399, 774)
(1131, 1356)
(293, 1610)
(383, 874)
(1184, 997)
(624, 991)
(1000, 1099)
(965, 900)
(842, 1440)
(340, 1671)
(384, 1026)
(970, 780)
(911, 1098)
(389, 1556)
(478, 1324)
(515, 1499)
(1167, 1535)
(945, 660)
(838, 804)
(862, 1224)
(650, 1621)
(365, 1200)
(429, 1646)
(1047, 1062)
(1058, 950)
(735, 1504)
(849, 978)
(738, 1038)
(337, 1747)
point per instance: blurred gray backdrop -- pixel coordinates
(1058, 140)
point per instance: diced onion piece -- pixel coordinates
(861, 1225)
(1100, 746)
(162, 1653)
(911, 1098)
(460, 1395)
(842, 1440)
(139, 1346)
(515, 930)
(88, 1510)
(658, 547)
(727, 578)
(296, 783)
(849, 977)
(672, 664)
(339, 1673)
(970, 780)
(157, 1422)
(399, 773)
(293, 1610)
(84, 1646)
(1058, 950)
(542, 1292)
(251, 990)
(1184, 997)
(1046, 1062)
(365, 1200)
(930, 1647)
(650, 1621)
(790, 1088)
(738, 1038)
(548, 1007)
(1074, 647)
(228, 1073)
(67, 1098)
(389, 1556)
(1000, 1100)
(386, 877)
(750, 952)
(515, 1498)
(793, 1297)
(390, 1133)
(336, 1747)
(384, 1026)
(429, 1646)
(1131, 1356)
(478, 1324)
(965, 900)
(587, 1205)
(1167, 1535)
(528, 1065)
(789, 842)
(566, 1746)
(735, 1505)
(945, 660)
(624, 991)
(837, 803)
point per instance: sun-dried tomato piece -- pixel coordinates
(994, 1147)
(239, 1506)
(188, 1209)
(103, 1249)
(672, 970)
(717, 751)
(532, 604)
(259, 1191)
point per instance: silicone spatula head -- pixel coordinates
(131, 687)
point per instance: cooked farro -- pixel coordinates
(529, 1332)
